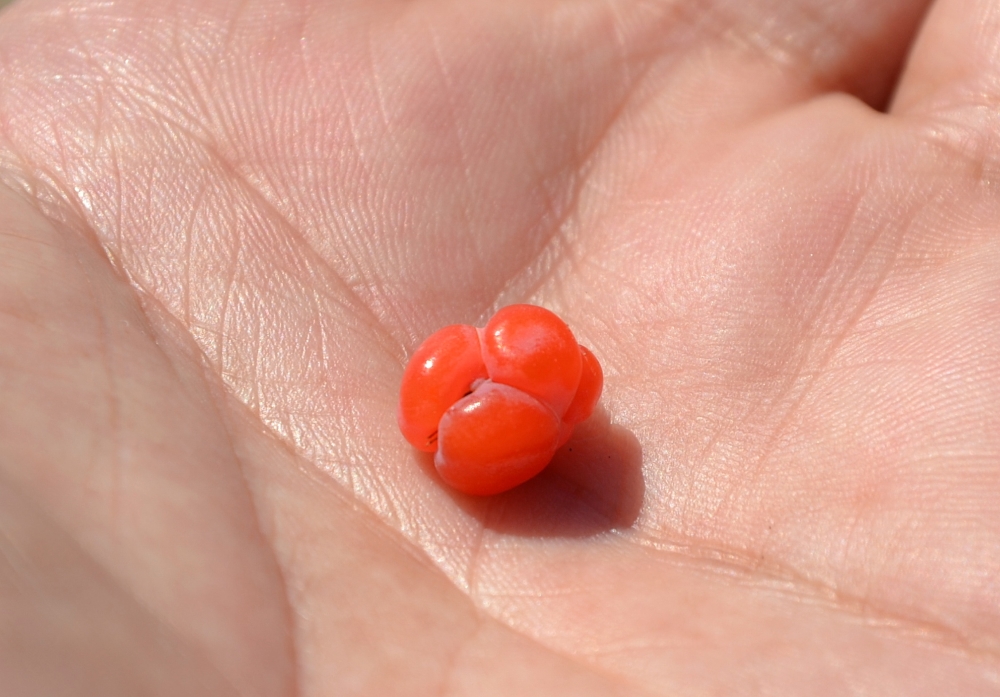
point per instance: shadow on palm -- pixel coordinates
(593, 485)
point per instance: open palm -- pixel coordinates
(226, 224)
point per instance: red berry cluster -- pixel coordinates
(495, 403)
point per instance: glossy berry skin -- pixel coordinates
(440, 372)
(530, 348)
(494, 439)
(588, 391)
(495, 403)
(587, 394)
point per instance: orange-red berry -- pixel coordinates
(588, 391)
(439, 374)
(495, 439)
(530, 348)
(494, 404)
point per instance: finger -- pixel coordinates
(955, 62)
(743, 58)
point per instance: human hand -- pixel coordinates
(794, 484)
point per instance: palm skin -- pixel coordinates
(226, 225)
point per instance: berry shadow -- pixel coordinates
(594, 484)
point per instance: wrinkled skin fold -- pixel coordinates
(225, 225)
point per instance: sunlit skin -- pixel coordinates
(226, 225)
(495, 403)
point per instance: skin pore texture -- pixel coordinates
(224, 226)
